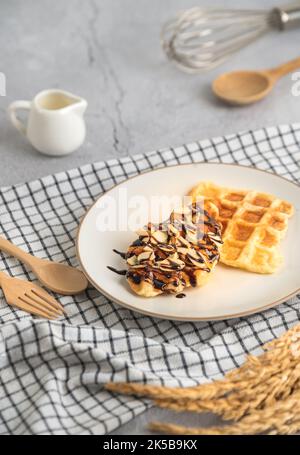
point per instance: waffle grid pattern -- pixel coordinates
(52, 373)
(253, 224)
(255, 232)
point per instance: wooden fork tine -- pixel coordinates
(39, 306)
(34, 300)
(29, 297)
(45, 296)
(48, 299)
(23, 305)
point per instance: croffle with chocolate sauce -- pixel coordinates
(179, 253)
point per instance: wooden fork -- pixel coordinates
(29, 297)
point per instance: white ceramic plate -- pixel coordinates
(230, 292)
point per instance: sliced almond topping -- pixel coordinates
(172, 229)
(166, 268)
(215, 238)
(160, 236)
(144, 256)
(132, 260)
(183, 250)
(202, 258)
(183, 241)
(167, 248)
(177, 263)
(191, 237)
(170, 263)
(197, 264)
(193, 254)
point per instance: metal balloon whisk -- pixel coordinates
(199, 39)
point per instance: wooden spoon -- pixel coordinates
(245, 87)
(58, 277)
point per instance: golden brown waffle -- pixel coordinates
(253, 224)
(179, 253)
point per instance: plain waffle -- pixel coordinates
(253, 224)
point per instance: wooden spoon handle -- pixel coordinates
(13, 250)
(284, 69)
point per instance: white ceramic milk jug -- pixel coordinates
(55, 123)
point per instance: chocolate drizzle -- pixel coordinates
(192, 278)
(137, 242)
(134, 276)
(119, 272)
(170, 255)
(158, 284)
(120, 253)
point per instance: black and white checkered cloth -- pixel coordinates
(52, 373)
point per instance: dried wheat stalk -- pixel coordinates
(283, 417)
(262, 396)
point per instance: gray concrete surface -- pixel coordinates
(108, 51)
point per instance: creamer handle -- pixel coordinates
(12, 112)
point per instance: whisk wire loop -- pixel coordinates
(199, 39)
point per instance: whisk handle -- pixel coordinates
(287, 17)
